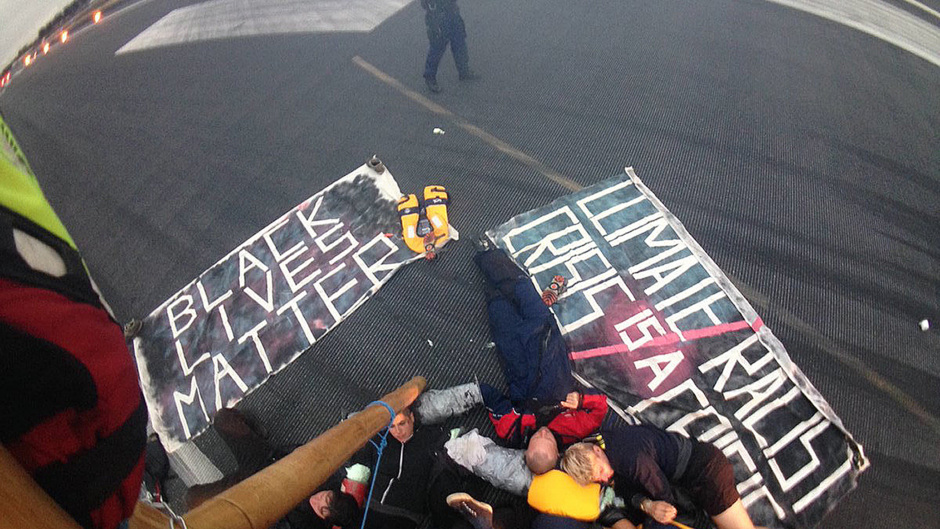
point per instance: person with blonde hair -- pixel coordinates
(649, 462)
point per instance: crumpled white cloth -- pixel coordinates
(468, 450)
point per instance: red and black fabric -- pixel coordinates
(73, 414)
(514, 427)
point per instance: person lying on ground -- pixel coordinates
(247, 441)
(413, 479)
(566, 423)
(647, 463)
(480, 515)
(327, 508)
(555, 501)
(553, 493)
(541, 390)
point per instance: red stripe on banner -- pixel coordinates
(695, 334)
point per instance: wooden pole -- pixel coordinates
(264, 498)
(24, 504)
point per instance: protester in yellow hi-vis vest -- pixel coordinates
(73, 414)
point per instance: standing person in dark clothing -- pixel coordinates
(646, 464)
(445, 25)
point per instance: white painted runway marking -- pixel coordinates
(220, 19)
(921, 6)
(878, 19)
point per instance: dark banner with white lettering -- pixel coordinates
(267, 302)
(652, 322)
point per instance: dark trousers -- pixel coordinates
(533, 353)
(449, 30)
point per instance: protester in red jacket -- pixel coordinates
(571, 420)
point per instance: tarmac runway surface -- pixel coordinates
(801, 154)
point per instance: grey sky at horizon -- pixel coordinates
(21, 22)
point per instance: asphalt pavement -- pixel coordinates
(801, 154)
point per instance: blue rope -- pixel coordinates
(379, 448)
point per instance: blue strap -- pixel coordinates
(379, 448)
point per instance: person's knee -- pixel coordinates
(734, 517)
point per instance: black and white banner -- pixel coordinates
(268, 301)
(653, 322)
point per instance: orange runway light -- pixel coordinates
(97, 17)
(65, 36)
(45, 48)
(27, 60)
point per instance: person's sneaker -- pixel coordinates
(469, 76)
(479, 514)
(551, 294)
(432, 85)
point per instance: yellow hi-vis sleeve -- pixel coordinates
(20, 191)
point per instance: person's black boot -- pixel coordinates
(432, 85)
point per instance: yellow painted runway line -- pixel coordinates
(756, 298)
(462, 123)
